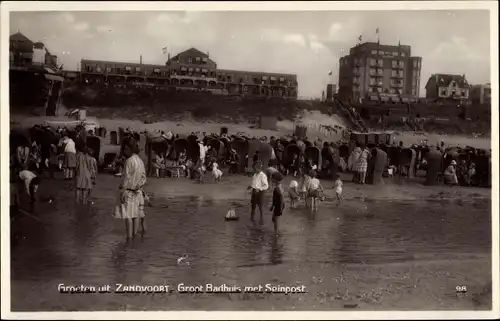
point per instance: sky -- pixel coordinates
(305, 43)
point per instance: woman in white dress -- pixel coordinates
(130, 203)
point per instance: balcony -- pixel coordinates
(398, 66)
(379, 84)
(193, 78)
(397, 85)
(397, 76)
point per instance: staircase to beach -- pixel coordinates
(353, 116)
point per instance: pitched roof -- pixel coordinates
(19, 37)
(445, 80)
(191, 51)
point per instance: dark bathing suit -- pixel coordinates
(277, 202)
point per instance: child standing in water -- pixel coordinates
(84, 174)
(337, 185)
(303, 190)
(278, 204)
(293, 192)
(200, 168)
(93, 170)
(313, 190)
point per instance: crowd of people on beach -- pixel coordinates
(71, 155)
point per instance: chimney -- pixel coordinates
(208, 54)
(140, 60)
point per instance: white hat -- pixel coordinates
(453, 162)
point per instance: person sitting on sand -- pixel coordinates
(22, 156)
(159, 164)
(182, 162)
(35, 155)
(471, 173)
(450, 175)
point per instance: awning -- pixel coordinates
(54, 77)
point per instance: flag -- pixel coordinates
(360, 38)
(377, 31)
(164, 49)
(330, 73)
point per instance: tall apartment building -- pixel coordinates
(374, 71)
(193, 69)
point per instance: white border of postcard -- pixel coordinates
(6, 7)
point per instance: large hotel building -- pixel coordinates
(373, 71)
(192, 70)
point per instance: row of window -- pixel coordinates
(377, 62)
(394, 82)
(380, 62)
(399, 91)
(446, 92)
(416, 63)
(388, 53)
(380, 90)
(397, 73)
(203, 70)
(197, 60)
(184, 70)
(380, 72)
(375, 71)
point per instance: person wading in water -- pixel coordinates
(259, 186)
(130, 205)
